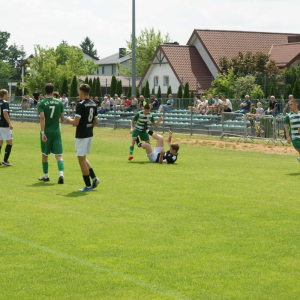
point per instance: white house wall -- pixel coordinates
(203, 53)
(296, 63)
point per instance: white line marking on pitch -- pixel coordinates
(145, 284)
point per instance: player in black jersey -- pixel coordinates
(85, 120)
(158, 155)
(5, 127)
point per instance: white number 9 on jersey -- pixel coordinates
(90, 118)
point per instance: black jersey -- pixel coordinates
(87, 111)
(4, 106)
(168, 157)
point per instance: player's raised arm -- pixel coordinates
(156, 123)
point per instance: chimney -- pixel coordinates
(294, 39)
(121, 52)
(174, 43)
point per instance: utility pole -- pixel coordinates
(133, 50)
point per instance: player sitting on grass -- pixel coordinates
(51, 111)
(292, 126)
(139, 126)
(158, 155)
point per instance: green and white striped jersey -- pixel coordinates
(293, 120)
(141, 120)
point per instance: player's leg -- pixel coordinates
(296, 144)
(6, 135)
(57, 150)
(92, 174)
(1, 144)
(60, 165)
(45, 152)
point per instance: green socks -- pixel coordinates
(45, 167)
(60, 165)
(131, 150)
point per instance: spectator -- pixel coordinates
(127, 103)
(210, 104)
(142, 103)
(29, 101)
(97, 101)
(73, 103)
(252, 111)
(91, 98)
(202, 107)
(273, 108)
(41, 97)
(196, 104)
(216, 106)
(117, 102)
(111, 100)
(168, 106)
(154, 105)
(24, 103)
(36, 98)
(65, 101)
(134, 103)
(225, 105)
(105, 106)
(287, 109)
(259, 111)
(245, 107)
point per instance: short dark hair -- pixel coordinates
(85, 88)
(3, 92)
(175, 147)
(152, 95)
(49, 88)
(56, 94)
(147, 106)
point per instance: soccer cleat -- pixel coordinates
(44, 179)
(298, 159)
(0, 163)
(96, 181)
(6, 163)
(61, 180)
(149, 131)
(86, 189)
(130, 157)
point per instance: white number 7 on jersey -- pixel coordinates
(53, 109)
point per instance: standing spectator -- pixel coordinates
(65, 101)
(105, 106)
(245, 107)
(142, 103)
(134, 103)
(210, 104)
(24, 103)
(168, 106)
(273, 108)
(287, 110)
(36, 98)
(154, 105)
(197, 102)
(226, 104)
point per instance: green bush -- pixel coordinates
(179, 92)
(74, 87)
(113, 86)
(186, 93)
(159, 92)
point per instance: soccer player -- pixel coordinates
(51, 110)
(5, 127)
(85, 120)
(139, 126)
(292, 126)
(158, 155)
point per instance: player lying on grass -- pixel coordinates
(139, 126)
(85, 120)
(292, 126)
(158, 155)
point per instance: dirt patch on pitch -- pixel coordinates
(238, 146)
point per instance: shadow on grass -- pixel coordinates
(140, 162)
(39, 184)
(76, 194)
(294, 174)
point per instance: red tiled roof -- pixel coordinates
(186, 63)
(285, 54)
(227, 43)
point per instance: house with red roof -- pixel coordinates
(197, 62)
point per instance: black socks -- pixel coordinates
(87, 180)
(92, 174)
(7, 152)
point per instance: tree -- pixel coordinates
(186, 93)
(74, 87)
(129, 93)
(64, 89)
(159, 92)
(91, 86)
(257, 93)
(272, 90)
(296, 89)
(113, 86)
(86, 81)
(169, 91)
(143, 91)
(88, 46)
(6, 71)
(94, 87)
(146, 45)
(98, 91)
(137, 91)
(147, 90)
(119, 89)
(192, 95)
(18, 91)
(244, 86)
(153, 91)
(179, 92)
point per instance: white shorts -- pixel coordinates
(5, 134)
(83, 146)
(153, 155)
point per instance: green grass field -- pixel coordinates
(219, 224)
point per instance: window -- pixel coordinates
(155, 80)
(102, 69)
(113, 69)
(166, 80)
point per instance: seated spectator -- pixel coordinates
(73, 103)
(273, 108)
(97, 101)
(168, 106)
(117, 102)
(226, 105)
(65, 101)
(245, 107)
(105, 106)
(202, 106)
(24, 102)
(111, 100)
(154, 105)
(142, 102)
(29, 101)
(196, 104)
(252, 111)
(216, 106)
(134, 104)
(127, 103)
(210, 104)
(259, 111)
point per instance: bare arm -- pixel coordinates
(74, 122)
(169, 141)
(6, 117)
(42, 121)
(159, 120)
(95, 121)
(62, 117)
(131, 126)
(161, 157)
(287, 132)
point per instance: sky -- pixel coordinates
(108, 23)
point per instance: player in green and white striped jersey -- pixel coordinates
(292, 126)
(139, 126)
